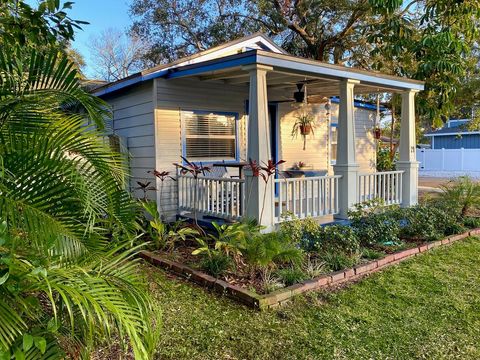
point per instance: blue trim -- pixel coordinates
(130, 82)
(194, 69)
(360, 104)
(333, 124)
(203, 112)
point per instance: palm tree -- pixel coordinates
(67, 278)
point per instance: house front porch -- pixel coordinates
(271, 78)
(316, 196)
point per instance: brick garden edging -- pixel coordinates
(281, 296)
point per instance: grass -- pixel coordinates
(425, 308)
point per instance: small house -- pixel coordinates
(240, 102)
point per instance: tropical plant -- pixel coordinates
(194, 170)
(65, 287)
(145, 187)
(166, 235)
(265, 171)
(304, 124)
(214, 261)
(231, 238)
(162, 176)
(336, 261)
(462, 194)
(313, 267)
(265, 251)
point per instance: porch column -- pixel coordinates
(346, 165)
(258, 195)
(407, 148)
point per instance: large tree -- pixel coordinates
(428, 40)
(116, 55)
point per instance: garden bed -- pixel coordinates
(282, 295)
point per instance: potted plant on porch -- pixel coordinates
(304, 125)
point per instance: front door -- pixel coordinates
(272, 115)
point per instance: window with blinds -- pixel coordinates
(209, 136)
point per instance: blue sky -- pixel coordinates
(101, 14)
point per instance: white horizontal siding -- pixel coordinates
(173, 96)
(317, 153)
(291, 148)
(133, 120)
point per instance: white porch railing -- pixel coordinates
(218, 197)
(304, 197)
(384, 185)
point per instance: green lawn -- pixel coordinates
(427, 308)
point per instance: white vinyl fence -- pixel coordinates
(449, 160)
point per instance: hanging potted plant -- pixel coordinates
(304, 125)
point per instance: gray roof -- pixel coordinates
(458, 130)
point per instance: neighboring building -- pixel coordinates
(236, 102)
(455, 151)
(454, 135)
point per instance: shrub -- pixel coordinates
(426, 222)
(471, 222)
(372, 254)
(298, 231)
(375, 225)
(312, 237)
(165, 236)
(313, 267)
(291, 275)
(216, 263)
(332, 238)
(338, 261)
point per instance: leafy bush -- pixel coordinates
(291, 275)
(374, 224)
(298, 231)
(312, 237)
(231, 239)
(426, 222)
(338, 238)
(213, 261)
(384, 159)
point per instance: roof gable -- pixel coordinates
(257, 41)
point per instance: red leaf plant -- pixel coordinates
(162, 175)
(195, 170)
(269, 169)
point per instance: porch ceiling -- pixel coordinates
(282, 81)
(322, 79)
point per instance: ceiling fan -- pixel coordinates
(301, 97)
